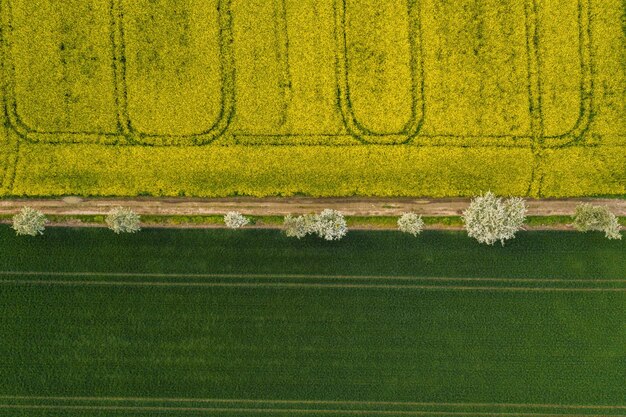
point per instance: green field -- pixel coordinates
(316, 97)
(203, 323)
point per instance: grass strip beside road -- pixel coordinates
(359, 222)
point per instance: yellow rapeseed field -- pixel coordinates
(317, 97)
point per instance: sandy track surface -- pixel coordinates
(357, 206)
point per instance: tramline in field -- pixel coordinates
(461, 89)
(215, 323)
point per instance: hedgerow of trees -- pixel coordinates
(488, 219)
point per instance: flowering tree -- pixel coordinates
(329, 225)
(299, 226)
(411, 223)
(29, 222)
(489, 219)
(588, 217)
(235, 220)
(123, 220)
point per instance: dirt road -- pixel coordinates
(356, 206)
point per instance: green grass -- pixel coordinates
(314, 340)
(548, 220)
(352, 221)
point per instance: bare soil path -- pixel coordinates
(277, 206)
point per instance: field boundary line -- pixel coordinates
(302, 276)
(321, 402)
(305, 285)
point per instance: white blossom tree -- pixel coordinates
(411, 223)
(299, 226)
(489, 219)
(235, 220)
(29, 222)
(330, 225)
(598, 218)
(123, 220)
